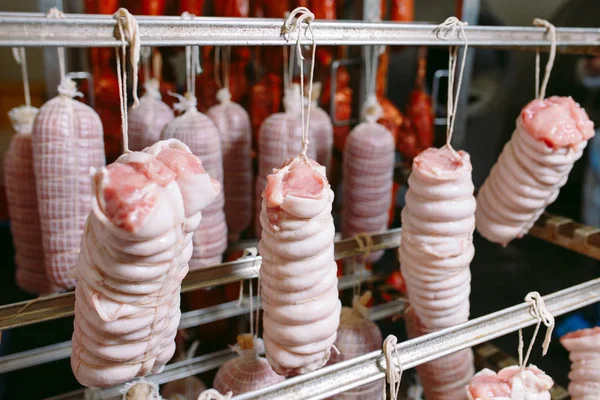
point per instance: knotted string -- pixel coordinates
(251, 252)
(393, 375)
(130, 390)
(151, 83)
(21, 59)
(192, 66)
(22, 117)
(66, 87)
(540, 93)
(213, 394)
(449, 27)
(223, 94)
(543, 316)
(294, 23)
(371, 109)
(128, 32)
(364, 241)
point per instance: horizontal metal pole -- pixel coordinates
(62, 305)
(211, 361)
(76, 30)
(349, 374)
(59, 351)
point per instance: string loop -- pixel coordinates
(393, 370)
(140, 389)
(185, 103)
(540, 312)
(66, 86)
(444, 31)
(371, 110)
(540, 92)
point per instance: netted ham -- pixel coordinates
(368, 172)
(22, 202)
(147, 120)
(551, 135)
(357, 335)
(530, 383)
(444, 378)
(279, 139)
(233, 123)
(298, 273)
(135, 253)
(67, 140)
(321, 129)
(248, 372)
(437, 237)
(584, 353)
(202, 136)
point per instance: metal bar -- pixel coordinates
(34, 29)
(211, 361)
(62, 305)
(59, 351)
(349, 374)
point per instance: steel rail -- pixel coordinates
(76, 30)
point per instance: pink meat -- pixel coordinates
(280, 138)
(135, 253)
(147, 120)
(67, 140)
(234, 126)
(535, 163)
(202, 136)
(584, 353)
(437, 237)
(444, 378)
(23, 206)
(245, 373)
(299, 273)
(357, 336)
(368, 172)
(531, 383)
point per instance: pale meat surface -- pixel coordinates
(584, 353)
(510, 383)
(148, 119)
(67, 140)
(368, 172)
(201, 135)
(299, 273)
(235, 130)
(135, 253)
(535, 163)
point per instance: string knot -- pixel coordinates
(541, 313)
(359, 304)
(224, 95)
(258, 347)
(55, 13)
(449, 27)
(22, 118)
(140, 390)
(295, 20)
(371, 110)
(185, 103)
(68, 88)
(152, 87)
(127, 31)
(393, 376)
(540, 92)
(212, 394)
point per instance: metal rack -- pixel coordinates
(33, 29)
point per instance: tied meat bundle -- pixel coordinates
(529, 383)
(298, 273)
(147, 120)
(584, 353)
(202, 136)
(248, 371)
(279, 139)
(368, 172)
(135, 253)
(551, 135)
(22, 201)
(67, 140)
(234, 126)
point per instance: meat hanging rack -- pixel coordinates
(35, 30)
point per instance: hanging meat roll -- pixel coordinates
(298, 273)
(279, 139)
(202, 136)
(233, 123)
(135, 253)
(22, 202)
(248, 371)
(551, 135)
(147, 120)
(584, 353)
(67, 140)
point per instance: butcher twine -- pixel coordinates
(213, 394)
(444, 31)
(543, 316)
(140, 389)
(540, 93)
(393, 375)
(251, 252)
(66, 87)
(22, 117)
(128, 32)
(151, 84)
(371, 109)
(223, 94)
(364, 241)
